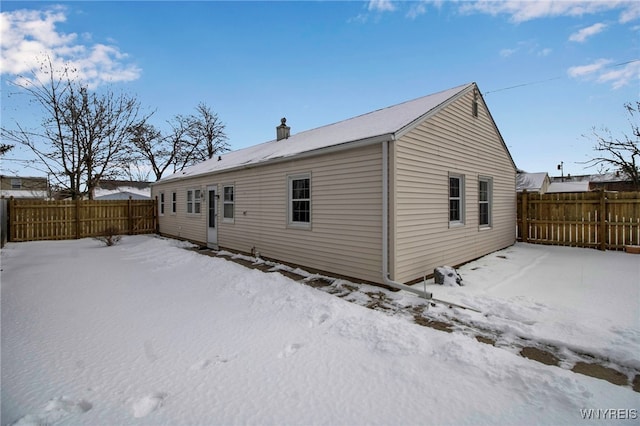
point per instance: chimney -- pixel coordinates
(282, 131)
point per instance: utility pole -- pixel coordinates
(561, 168)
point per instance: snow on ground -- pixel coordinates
(581, 299)
(146, 332)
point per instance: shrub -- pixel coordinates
(110, 236)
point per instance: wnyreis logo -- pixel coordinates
(609, 413)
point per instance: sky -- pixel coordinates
(550, 71)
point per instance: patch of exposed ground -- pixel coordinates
(382, 300)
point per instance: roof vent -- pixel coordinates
(282, 131)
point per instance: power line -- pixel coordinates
(523, 85)
(554, 78)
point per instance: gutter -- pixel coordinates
(385, 229)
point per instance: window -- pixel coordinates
(16, 183)
(456, 199)
(174, 199)
(484, 201)
(228, 204)
(193, 201)
(300, 200)
(161, 204)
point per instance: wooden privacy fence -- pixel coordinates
(602, 220)
(32, 220)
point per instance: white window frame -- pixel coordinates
(161, 203)
(16, 183)
(174, 202)
(488, 202)
(460, 199)
(226, 202)
(290, 200)
(194, 201)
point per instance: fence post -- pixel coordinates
(78, 219)
(525, 215)
(11, 219)
(602, 221)
(130, 215)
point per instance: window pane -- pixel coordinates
(228, 193)
(483, 191)
(301, 211)
(454, 210)
(484, 214)
(454, 187)
(228, 211)
(300, 189)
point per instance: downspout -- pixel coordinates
(385, 228)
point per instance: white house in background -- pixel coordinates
(384, 197)
(122, 190)
(532, 182)
(578, 186)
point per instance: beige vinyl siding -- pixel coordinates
(346, 204)
(451, 142)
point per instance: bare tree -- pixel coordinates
(189, 140)
(4, 148)
(207, 134)
(622, 154)
(83, 135)
(162, 152)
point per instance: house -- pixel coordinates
(384, 197)
(532, 182)
(122, 190)
(568, 186)
(613, 181)
(24, 187)
(543, 184)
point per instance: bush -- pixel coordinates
(110, 236)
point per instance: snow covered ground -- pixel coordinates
(147, 332)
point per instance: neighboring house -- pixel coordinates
(615, 181)
(532, 182)
(122, 190)
(24, 187)
(541, 183)
(568, 186)
(384, 197)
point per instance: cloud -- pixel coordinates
(630, 14)
(622, 76)
(602, 71)
(381, 6)
(583, 34)
(505, 53)
(530, 47)
(545, 52)
(28, 37)
(527, 10)
(588, 70)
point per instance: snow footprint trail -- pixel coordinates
(57, 410)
